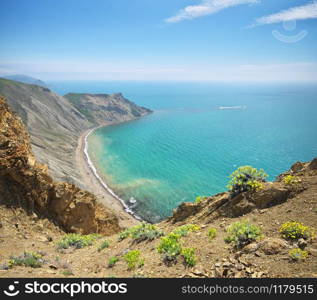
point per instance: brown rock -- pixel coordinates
(302, 243)
(185, 210)
(251, 248)
(313, 164)
(272, 246)
(271, 195)
(298, 166)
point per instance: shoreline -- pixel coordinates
(104, 185)
(94, 183)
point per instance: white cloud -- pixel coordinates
(303, 12)
(206, 7)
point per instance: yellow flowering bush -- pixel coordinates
(296, 230)
(185, 229)
(290, 179)
(298, 254)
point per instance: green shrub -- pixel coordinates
(290, 179)
(144, 232)
(124, 234)
(77, 240)
(141, 233)
(27, 259)
(189, 256)
(67, 272)
(296, 230)
(112, 261)
(245, 179)
(200, 199)
(133, 259)
(103, 245)
(185, 229)
(242, 233)
(298, 254)
(212, 233)
(170, 247)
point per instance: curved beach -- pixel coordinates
(94, 183)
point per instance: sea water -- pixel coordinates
(199, 133)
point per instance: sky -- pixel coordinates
(181, 40)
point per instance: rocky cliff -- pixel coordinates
(24, 182)
(106, 109)
(55, 122)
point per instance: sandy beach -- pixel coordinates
(96, 186)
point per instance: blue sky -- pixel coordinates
(227, 40)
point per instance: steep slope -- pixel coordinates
(55, 124)
(102, 108)
(25, 183)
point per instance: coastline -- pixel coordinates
(94, 183)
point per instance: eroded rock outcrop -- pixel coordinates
(272, 193)
(25, 182)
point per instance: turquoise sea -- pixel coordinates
(193, 141)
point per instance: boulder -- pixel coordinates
(272, 194)
(313, 164)
(271, 246)
(297, 167)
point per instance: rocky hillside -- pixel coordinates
(55, 124)
(276, 235)
(101, 108)
(25, 183)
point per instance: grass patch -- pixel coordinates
(27, 259)
(103, 245)
(67, 273)
(77, 241)
(112, 261)
(185, 229)
(242, 233)
(212, 233)
(133, 259)
(141, 233)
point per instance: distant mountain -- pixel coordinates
(26, 79)
(101, 108)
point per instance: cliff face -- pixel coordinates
(55, 123)
(273, 193)
(106, 109)
(25, 182)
